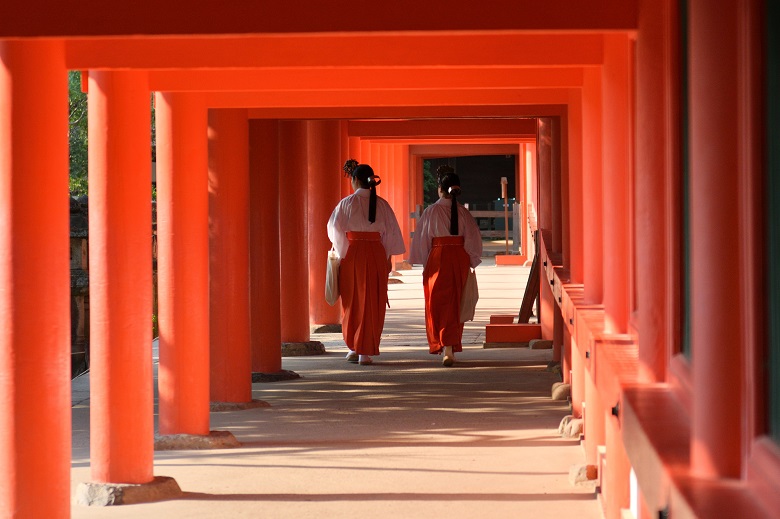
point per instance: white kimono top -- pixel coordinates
(435, 222)
(351, 214)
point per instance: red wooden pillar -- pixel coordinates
(591, 182)
(576, 203)
(354, 152)
(404, 206)
(266, 320)
(616, 479)
(366, 151)
(231, 364)
(324, 192)
(120, 278)
(350, 149)
(716, 355)
(617, 171)
(563, 143)
(545, 150)
(594, 415)
(34, 344)
(577, 378)
(556, 208)
(544, 175)
(293, 188)
(529, 203)
(183, 263)
(656, 149)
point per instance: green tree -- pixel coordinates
(430, 194)
(77, 134)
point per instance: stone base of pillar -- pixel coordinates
(213, 440)
(540, 344)
(561, 391)
(110, 494)
(554, 367)
(218, 407)
(584, 476)
(284, 374)
(301, 349)
(325, 328)
(402, 265)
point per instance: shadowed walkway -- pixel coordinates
(404, 437)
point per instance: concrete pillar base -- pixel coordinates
(213, 440)
(540, 344)
(554, 367)
(325, 328)
(561, 391)
(110, 494)
(394, 280)
(219, 407)
(572, 428)
(284, 374)
(402, 265)
(584, 476)
(302, 349)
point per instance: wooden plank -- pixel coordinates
(531, 288)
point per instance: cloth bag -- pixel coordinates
(332, 278)
(469, 297)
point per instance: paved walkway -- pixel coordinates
(403, 438)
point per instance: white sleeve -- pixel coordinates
(421, 241)
(337, 232)
(392, 241)
(472, 237)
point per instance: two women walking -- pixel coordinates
(365, 234)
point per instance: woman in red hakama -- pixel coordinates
(448, 243)
(365, 234)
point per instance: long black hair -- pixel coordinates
(449, 182)
(367, 179)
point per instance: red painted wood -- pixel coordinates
(324, 192)
(229, 333)
(182, 263)
(120, 278)
(264, 243)
(293, 201)
(34, 309)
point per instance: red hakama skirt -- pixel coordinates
(363, 285)
(444, 277)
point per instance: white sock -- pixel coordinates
(364, 357)
(350, 352)
(448, 351)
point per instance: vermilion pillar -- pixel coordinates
(264, 246)
(293, 189)
(183, 263)
(577, 378)
(556, 209)
(231, 364)
(544, 175)
(404, 207)
(594, 416)
(591, 182)
(34, 309)
(324, 192)
(656, 138)
(617, 172)
(716, 354)
(575, 205)
(120, 278)
(545, 150)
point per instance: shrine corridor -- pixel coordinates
(402, 438)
